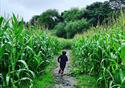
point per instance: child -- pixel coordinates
(62, 59)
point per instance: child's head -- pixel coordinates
(63, 52)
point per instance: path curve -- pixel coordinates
(67, 81)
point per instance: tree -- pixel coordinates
(97, 12)
(49, 18)
(35, 20)
(60, 31)
(117, 4)
(74, 27)
(72, 14)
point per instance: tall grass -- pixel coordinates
(102, 54)
(23, 53)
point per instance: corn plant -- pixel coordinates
(102, 55)
(23, 53)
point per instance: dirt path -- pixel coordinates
(67, 81)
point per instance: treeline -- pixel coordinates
(76, 20)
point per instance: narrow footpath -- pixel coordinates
(67, 81)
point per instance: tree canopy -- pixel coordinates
(98, 12)
(74, 20)
(72, 14)
(117, 4)
(49, 18)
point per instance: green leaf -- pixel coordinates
(1, 20)
(24, 63)
(15, 22)
(122, 55)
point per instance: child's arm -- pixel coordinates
(59, 59)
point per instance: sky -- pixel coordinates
(29, 8)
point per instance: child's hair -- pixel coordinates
(64, 52)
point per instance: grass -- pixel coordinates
(85, 81)
(45, 80)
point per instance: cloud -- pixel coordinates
(28, 8)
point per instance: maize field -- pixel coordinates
(23, 53)
(102, 55)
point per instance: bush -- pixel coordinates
(69, 29)
(75, 27)
(73, 14)
(60, 31)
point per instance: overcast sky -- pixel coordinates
(28, 8)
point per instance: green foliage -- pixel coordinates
(69, 29)
(72, 14)
(98, 13)
(102, 54)
(46, 79)
(122, 54)
(60, 30)
(49, 18)
(117, 4)
(65, 24)
(66, 43)
(85, 81)
(1, 19)
(35, 20)
(23, 53)
(75, 27)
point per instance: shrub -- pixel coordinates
(60, 31)
(75, 27)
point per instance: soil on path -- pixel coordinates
(67, 81)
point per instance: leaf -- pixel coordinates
(122, 55)
(15, 23)
(121, 75)
(1, 76)
(15, 19)
(26, 70)
(24, 63)
(7, 79)
(1, 20)
(25, 78)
